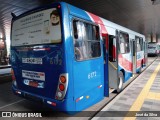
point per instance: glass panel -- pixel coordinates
(86, 40)
(124, 43)
(139, 44)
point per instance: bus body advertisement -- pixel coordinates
(69, 58)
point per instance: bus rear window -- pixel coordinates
(42, 27)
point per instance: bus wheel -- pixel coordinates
(120, 82)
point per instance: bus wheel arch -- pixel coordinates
(121, 76)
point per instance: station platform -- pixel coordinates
(140, 100)
(140, 96)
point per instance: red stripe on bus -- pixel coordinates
(100, 22)
(126, 64)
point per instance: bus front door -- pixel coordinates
(113, 62)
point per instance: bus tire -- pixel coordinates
(120, 82)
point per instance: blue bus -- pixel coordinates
(68, 58)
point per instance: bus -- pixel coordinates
(69, 58)
(153, 49)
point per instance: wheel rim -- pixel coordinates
(120, 83)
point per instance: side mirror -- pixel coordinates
(112, 51)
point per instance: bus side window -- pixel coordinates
(124, 43)
(138, 45)
(141, 44)
(86, 40)
(75, 30)
(77, 40)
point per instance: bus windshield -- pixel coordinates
(38, 28)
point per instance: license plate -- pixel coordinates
(32, 60)
(33, 83)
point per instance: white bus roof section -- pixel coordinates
(110, 26)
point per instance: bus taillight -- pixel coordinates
(62, 86)
(62, 79)
(13, 76)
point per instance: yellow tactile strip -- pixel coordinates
(143, 95)
(153, 95)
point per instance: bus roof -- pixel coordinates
(79, 13)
